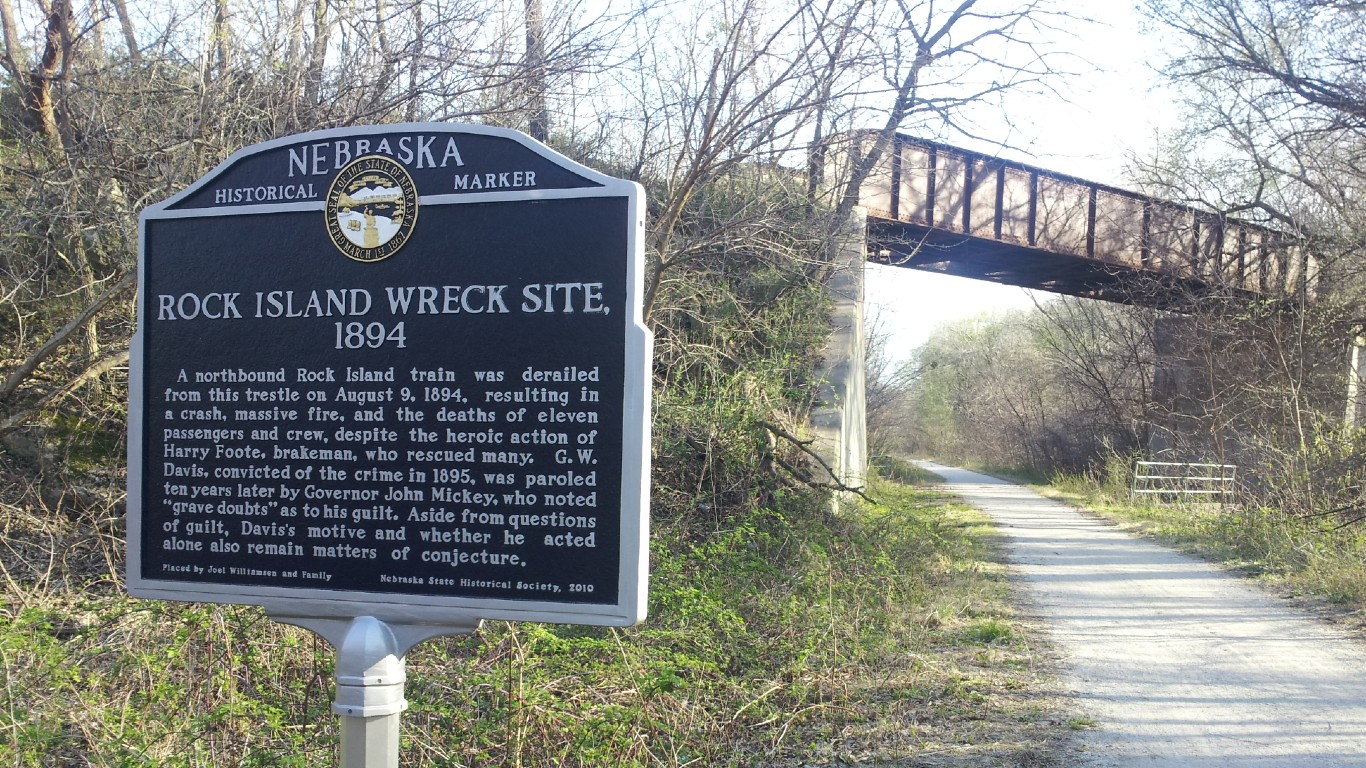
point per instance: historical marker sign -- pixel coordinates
(398, 371)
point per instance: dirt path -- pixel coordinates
(1179, 663)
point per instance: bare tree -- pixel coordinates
(929, 65)
(1276, 129)
(539, 123)
(1061, 387)
(1103, 356)
(1276, 119)
(888, 386)
(94, 133)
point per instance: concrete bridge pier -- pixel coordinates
(1181, 391)
(1209, 390)
(839, 418)
(1356, 376)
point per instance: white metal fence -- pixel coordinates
(1184, 479)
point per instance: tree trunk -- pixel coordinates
(56, 49)
(317, 54)
(538, 122)
(129, 38)
(415, 64)
(221, 35)
(12, 42)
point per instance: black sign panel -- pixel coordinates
(394, 365)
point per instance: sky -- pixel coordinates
(1107, 114)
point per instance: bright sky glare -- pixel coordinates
(1103, 116)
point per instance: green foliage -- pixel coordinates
(738, 329)
(771, 638)
(902, 471)
(1319, 478)
(988, 631)
(114, 682)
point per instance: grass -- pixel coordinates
(1302, 557)
(792, 637)
(1081, 723)
(902, 471)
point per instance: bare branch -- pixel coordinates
(109, 362)
(25, 369)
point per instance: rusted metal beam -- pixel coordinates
(1091, 195)
(936, 189)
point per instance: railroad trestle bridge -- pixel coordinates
(934, 207)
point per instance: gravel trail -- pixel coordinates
(1179, 663)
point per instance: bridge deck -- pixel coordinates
(940, 208)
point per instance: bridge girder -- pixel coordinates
(944, 209)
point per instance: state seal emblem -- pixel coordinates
(371, 208)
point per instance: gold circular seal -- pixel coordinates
(371, 208)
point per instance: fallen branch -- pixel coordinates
(804, 446)
(98, 368)
(21, 373)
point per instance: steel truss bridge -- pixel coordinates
(940, 208)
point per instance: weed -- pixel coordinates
(880, 634)
(988, 631)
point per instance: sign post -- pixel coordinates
(390, 381)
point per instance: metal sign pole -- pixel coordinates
(370, 674)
